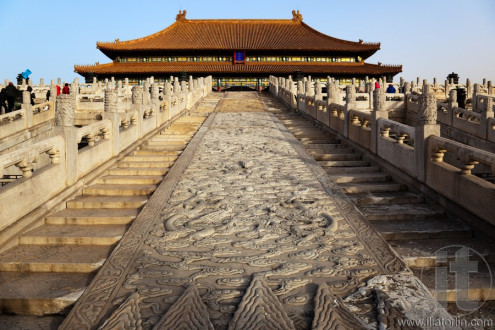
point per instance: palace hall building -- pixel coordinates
(237, 52)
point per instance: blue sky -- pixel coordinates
(429, 38)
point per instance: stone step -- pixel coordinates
(343, 163)
(360, 177)
(141, 152)
(40, 293)
(20, 322)
(325, 146)
(150, 158)
(327, 157)
(172, 144)
(145, 164)
(479, 287)
(171, 137)
(119, 190)
(324, 140)
(422, 229)
(54, 258)
(91, 217)
(138, 171)
(162, 148)
(347, 170)
(74, 235)
(399, 197)
(422, 253)
(130, 179)
(107, 202)
(329, 150)
(385, 212)
(371, 187)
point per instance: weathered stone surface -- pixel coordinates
(216, 223)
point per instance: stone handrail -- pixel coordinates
(458, 184)
(105, 138)
(24, 195)
(400, 131)
(92, 131)
(25, 158)
(409, 149)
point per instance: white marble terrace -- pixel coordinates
(421, 131)
(47, 148)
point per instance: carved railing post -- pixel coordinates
(64, 126)
(111, 112)
(486, 114)
(427, 126)
(137, 105)
(378, 112)
(26, 105)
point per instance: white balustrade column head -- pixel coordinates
(42, 82)
(26, 98)
(378, 100)
(350, 94)
(137, 95)
(119, 85)
(489, 107)
(95, 81)
(6, 82)
(65, 110)
(427, 108)
(59, 81)
(183, 86)
(110, 100)
(53, 91)
(402, 81)
(176, 86)
(309, 88)
(474, 100)
(490, 87)
(484, 83)
(418, 81)
(23, 86)
(106, 81)
(154, 92)
(74, 88)
(413, 86)
(318, 89)
(300, 88)
(190, 83)
(152, 80)
(167, 90)
(407, 87)
(453, 95)
(435, 83)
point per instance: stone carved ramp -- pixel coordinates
(249, 219)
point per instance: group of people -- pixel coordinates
(390, 89)
(65, 90)
(9, 94)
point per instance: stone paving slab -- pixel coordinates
(248, 222)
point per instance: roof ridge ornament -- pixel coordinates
(181, 16)
(297, 16)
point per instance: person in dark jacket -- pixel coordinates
(11, 93)
(3, 100)
(66, 89)
(31, 94)
(390, 89)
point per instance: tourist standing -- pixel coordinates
(66, 90)
(11, 94)
(377, 85)
(390, 89)
(31, 94)
(3, 100)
